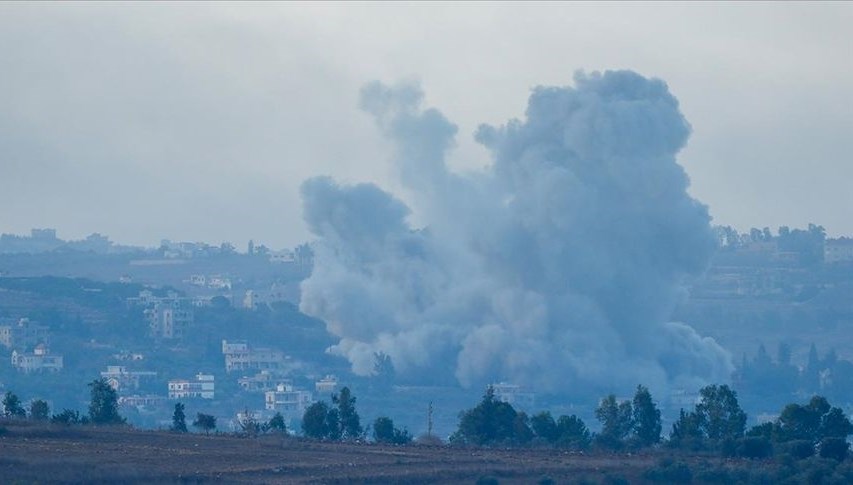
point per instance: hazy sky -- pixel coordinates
(199, 121)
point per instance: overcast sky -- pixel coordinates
(199, 121)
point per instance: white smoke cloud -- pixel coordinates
(560, 263)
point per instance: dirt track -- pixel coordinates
(56, 454)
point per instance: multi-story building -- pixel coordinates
(121, 379)
(838, 250)
(169, 318)
(240, 357)
(326, 386)
(200, 387)
(288, 400)
(277, 293)
(24, 335)
(142, 401)
(265, 380)
(39, 360)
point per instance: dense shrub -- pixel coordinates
(669, 471)
(754, 447)
(799, 449)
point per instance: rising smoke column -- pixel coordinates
(560, 263)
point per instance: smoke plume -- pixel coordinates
(559, 264)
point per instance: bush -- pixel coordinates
(754, 447)
(834, 448)
(669, 471)
(67, 416)
(800, 449)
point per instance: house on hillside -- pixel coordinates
(838, 250)
(39, 360)
(239, 356)
(290, 401)
(203, 386)
(122, 380)
(169, 318)
(24, 334)
(326, 386)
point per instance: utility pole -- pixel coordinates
(429, 420)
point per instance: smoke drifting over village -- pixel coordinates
(559, 264)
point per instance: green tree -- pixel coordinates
(521, 431)
(834, 448)
(276, 423)
(813, 421)
(492, 421)
(835, 424)
(205, 422)
(315, 421)
(12, 407)
(39, 410)
(384, 431)
(544, 426)
(383, 370)
(103, 407)
(572, 433)
(647, 424)
(333, 425)
(617, 421)
(249, 424)
(350, 423)
(179, 419)
(687, 431)
(720, 415)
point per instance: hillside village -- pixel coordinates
(220, 329)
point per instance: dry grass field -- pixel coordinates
(31, 453)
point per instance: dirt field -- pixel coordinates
(57, 454)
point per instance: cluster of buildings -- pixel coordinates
(128, 385)
(30, 345)
(263, 371)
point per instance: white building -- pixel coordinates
(120, 379)
(240, 357)
(838, 250)
(24, 334)
(254, 299)
(326, 386)
(282, 257)
(288, 400)
(200, 387)
(142, 401)
(38, 360)
(265, 380)
(169, 318)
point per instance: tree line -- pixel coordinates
(716, 423)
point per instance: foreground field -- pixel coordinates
(80, 454)
(55, 454)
